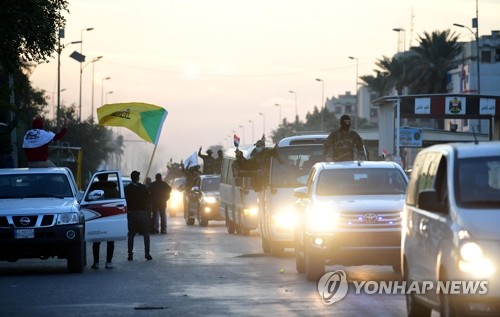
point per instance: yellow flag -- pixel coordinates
(144, 119)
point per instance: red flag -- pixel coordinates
(236, 141)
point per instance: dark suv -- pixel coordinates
(204, 201)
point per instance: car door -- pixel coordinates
(105, 215)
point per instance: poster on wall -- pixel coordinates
(455, 105)
(487, 106)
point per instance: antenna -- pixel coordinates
(412, 23)
(475, 136)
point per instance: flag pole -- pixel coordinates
(151, 160)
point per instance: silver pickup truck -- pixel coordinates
(44, 215)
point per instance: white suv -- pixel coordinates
(349, 214)
(451, 229)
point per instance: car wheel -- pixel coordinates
(277, 249)
(244, 231)
(299, 258)
(265, 245)
(76, 259)
(314, 265)
(203, 222)
(413, 307)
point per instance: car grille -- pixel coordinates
(375, 220)
(31, 221)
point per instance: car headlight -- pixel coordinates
(285, 218)
(472, 260)
(209, 199)
(321, 219)
(250, 211)
(67, 218)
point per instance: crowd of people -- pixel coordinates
(146, 202)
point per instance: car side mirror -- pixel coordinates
(301, 192)
(428, 200)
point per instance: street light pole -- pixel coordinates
(59, 50)
(243, 133)
(263, 123)
(296, 114)
(476, 35)
(399, 30)
(81, 71)
(253, 130)
(102, 90)
(357, 64)
(356, 91)
(108, 93)
(322, 104)
(278, 105)
(93, 67)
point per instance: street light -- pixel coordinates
(81, 70)
(253, 130)
(322, 100)
(108, 93)
(357, 64)
(59, 50)
(356, 89)
(296, 114)
(243, 133)
(263, 123)
(93, 67)
(278, 105)
(476, 35)
(102, 89)
(399, 30)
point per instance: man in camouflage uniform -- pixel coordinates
(208, 162)
(342, 142)
(218, 162)
(258, 163)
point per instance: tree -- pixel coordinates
(432, 60)
(29, 30)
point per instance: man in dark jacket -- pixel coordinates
(159, 192)
(137, 195)
(343, 142)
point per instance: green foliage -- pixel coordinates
(29, 30)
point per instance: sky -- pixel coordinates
(221, 67)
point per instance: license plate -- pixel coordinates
(24, 233)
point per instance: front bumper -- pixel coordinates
(211, 211)
(57, 241)
(356, 248)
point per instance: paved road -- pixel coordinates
(195, 272)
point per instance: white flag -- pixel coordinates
(192, 160)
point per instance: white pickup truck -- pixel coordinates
(44, 215)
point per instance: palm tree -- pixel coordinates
(379, 85)
(432, 60)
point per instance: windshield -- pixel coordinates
(478, 182)
(210, 184)
(294, 165)
(34, 186)
(369, 181)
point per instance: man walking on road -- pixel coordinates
(137, 195)
(160, 193)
